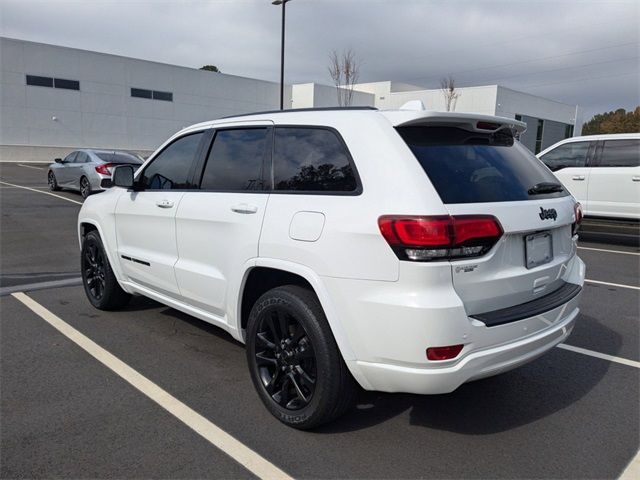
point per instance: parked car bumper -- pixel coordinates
(389, 334)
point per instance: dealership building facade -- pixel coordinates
(56, 99)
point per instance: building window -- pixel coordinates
(141, 93)
(152, 94)
(166, 96)
(518, 117)
(568, 131)
(37, 81)
(66, 84)
(539, 135)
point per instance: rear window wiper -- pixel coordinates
(545, 187)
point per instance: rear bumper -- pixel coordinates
(475, 365)
(390, 325)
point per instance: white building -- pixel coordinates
(56, 99)
(547, 121)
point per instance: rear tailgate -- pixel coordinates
(502, 278)
(478, 168)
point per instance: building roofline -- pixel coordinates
(124, 57)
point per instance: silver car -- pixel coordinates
(84, 170)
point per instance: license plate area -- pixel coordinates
(538, 249)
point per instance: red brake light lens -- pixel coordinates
(487, 126)
(444, 353)
(104, 169)
(420, 238)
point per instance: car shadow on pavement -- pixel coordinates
(483, 407)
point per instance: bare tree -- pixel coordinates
(448, 88)
(344, 69)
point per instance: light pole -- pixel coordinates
(283, 3)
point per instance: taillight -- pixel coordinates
(104, 169)
(446, 237)
(444, 353)
(577, 210)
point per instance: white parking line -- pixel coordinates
(242, 454)
(632, 472)
(608, 251)
(30, 166)
(612, 284)
(40, 191)
(603, 356)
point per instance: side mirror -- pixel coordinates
(58, 160)
(123, 176)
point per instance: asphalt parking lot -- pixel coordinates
(574, 413)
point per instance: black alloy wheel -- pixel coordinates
(294, 361)
(100, 283)
(93, 269)
(286, 360)
(85, 187)
(52, 182)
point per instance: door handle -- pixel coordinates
(244, 208)
(635, 178)
(164, 203)
(578, 177)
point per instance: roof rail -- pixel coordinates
(315, 109)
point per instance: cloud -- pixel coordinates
(584, 52)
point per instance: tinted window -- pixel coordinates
(167, 96)
(119, 157)
(140, 93)
(171, 169)
(67, 84)
(470, 167)
(312, 160)
(620, 153)
(235, 161)
(39, 81)
(572, 154)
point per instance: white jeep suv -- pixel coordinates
(404, 251)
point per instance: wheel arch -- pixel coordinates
(264, 274)
(86, 225)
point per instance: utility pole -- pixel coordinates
(283, 3)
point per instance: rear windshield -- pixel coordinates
(119, 157)
(472, 167)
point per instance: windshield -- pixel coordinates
(473, 167)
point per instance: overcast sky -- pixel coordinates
(578, 52)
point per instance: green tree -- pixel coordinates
(210, 68)
(619, 121)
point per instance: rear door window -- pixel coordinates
(474, 167)
(620, 153)
(236, 160)
(573, 154)
(309, 159)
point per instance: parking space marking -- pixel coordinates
(30, 287)
(40, 191)
(603, 356)
(608, 251)
(612, 284)
(632, 472)
(242, 454)
(30, 166)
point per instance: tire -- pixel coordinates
(85, 187)
(52, 182)
(300, 375)
(100, 284)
